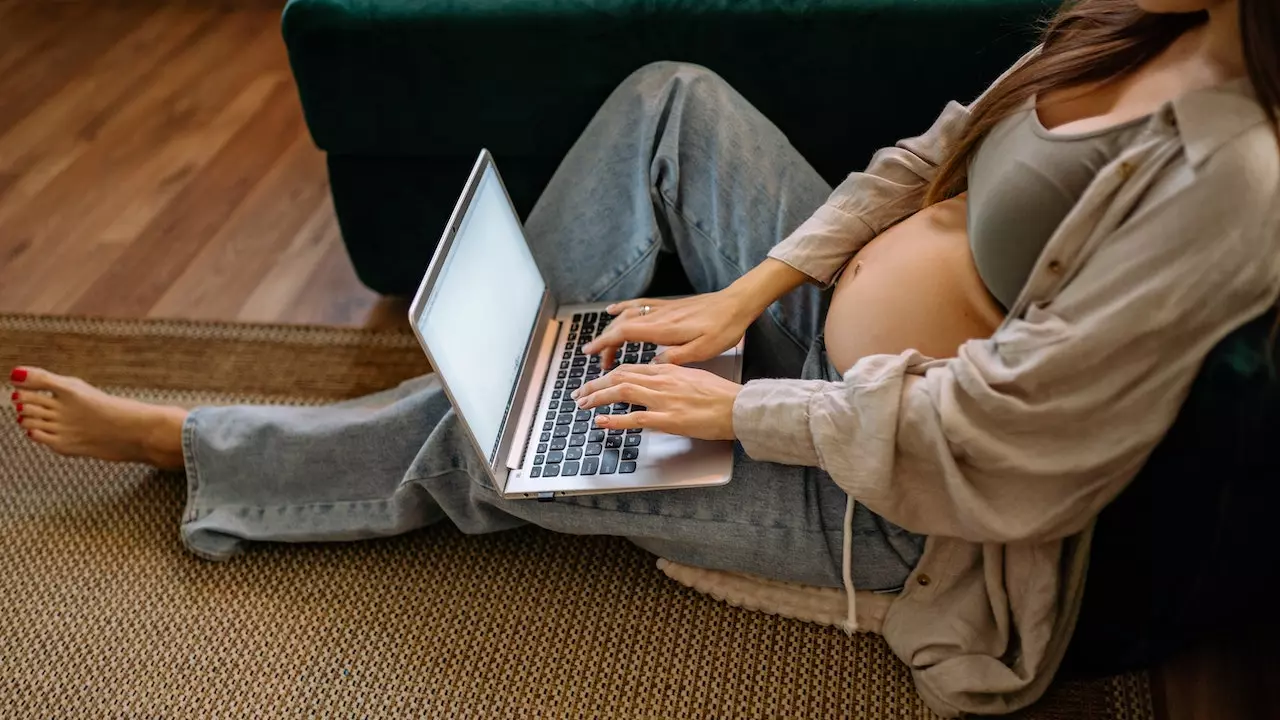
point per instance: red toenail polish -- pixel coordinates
(14, 396)
(19, 407)
(18, 375)
(19, 419)
(28, 433)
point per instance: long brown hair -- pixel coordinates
(1098, 41)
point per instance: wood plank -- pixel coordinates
(28, 82)
(158, 256)
(221, 278)
(156, 182)
(28, 30)
(332, 294)
(67, 119)
(147, 149)
(278, 290)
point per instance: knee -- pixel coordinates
(659, 81)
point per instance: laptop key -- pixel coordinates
(613, 442)
(568, 405)
(590, 466)
(564, 364)
(627, 467)
(573, 383)
(548, 425)
(615, 431)
(561, 431)
(589, 317)
(647, 357)
(579, 361)
(544, 437)
(609, 462)
(638, 408)
(631, 358)
(566, 355)
(577, 440)
(580, 427)
(563, 418)
(630, 453)
(555, 394)
(595, 436)
(649, 347)
(562, 374)
(634, 431)
(593, 360)
(551, 471)
(582, 415)
(537, 459)
(555, 456)
(559, 384)
(559, 444)
(542, 447)
(632, 441)
(535, 472)
(573, 453)
(603, 410)
(575, 372)
(593, 449)
(569, 469)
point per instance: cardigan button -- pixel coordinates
(1126, 170)
(922, 580)
(1055, 266)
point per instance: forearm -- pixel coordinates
(765, 283)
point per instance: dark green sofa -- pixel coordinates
(402, 94)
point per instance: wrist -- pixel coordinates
(765, 283)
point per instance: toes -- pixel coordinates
(35, 412)
(30, 398)
(42, 437)
(30, 378)
(38, 424)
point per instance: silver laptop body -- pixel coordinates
(501, 346)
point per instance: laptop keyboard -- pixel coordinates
(569, 443)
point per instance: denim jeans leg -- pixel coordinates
(677, 161)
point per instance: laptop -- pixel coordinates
(508, 355)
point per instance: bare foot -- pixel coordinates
(71, 417)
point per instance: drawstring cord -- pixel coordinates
(851, 622)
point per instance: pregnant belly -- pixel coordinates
(914, 286)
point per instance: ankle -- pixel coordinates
(162, 440)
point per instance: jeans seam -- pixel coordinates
(595, 297)
(692, 224)
(785, 330)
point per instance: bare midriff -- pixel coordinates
(915, 286)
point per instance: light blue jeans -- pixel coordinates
(676, 162)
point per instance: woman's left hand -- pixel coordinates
(677, 400)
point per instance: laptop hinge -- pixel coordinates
(529, 405)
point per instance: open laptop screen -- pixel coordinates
(479, 317)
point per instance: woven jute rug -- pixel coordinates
(103, 614)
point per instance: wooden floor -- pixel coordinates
(154, 163)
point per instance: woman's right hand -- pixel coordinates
(699, 327)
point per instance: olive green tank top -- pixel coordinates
(1023, 180)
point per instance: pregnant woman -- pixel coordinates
(1021, 299)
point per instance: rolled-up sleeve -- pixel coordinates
(1025, 436)
(868, 202)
